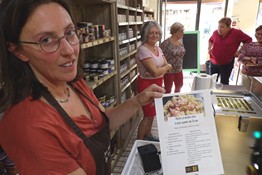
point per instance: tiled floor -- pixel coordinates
(188, 79)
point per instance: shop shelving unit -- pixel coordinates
(120, 83)
(129, 22)
(148, 14)
(124, 18)
(100, 12)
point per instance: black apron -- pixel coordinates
(98, 144)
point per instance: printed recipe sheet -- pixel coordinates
(187, 131)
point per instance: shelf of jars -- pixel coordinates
(123, 40)
(127, 71)
(97, 42)
(127, 55)
(123, 23)
(135, 23)
(122, 6)
(125, 88)
(96, 81)
(148, 14)
(126, 66)
(128, 40)
(135, 9)
(124, 73)
(125, 82)
(130, 23)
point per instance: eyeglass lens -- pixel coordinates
(51, 43)
(153, 33)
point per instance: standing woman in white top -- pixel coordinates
(152, 66)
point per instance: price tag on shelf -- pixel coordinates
(95, 43)
(100, 41)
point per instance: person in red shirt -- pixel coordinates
(223, 48)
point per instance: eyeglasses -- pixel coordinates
(154, 33)
(51, 43)
(259, 34)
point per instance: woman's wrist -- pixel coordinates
(136, 101)
(168, 67)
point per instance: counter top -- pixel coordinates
(235, 145)
(233, 88)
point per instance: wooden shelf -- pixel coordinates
(123, 23)
(122, 6)
(132, 9)
(127, 55)
(125, 87)
(129, 23)
(128, 84)
(134, 78)
(132, 39)
(124, 73)
(94, 84)
(146, 20)
(97, 42)
(124, 41)
(148, 12)
(139, 10)
(133, 67)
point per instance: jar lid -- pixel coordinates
(82, 24)
(103, 61)
(89, 24)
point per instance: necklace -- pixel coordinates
(67, 99)
(174, 40)
(154, 49)
(151, 48)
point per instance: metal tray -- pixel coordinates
(240, 103)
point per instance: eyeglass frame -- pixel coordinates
(154, 33)
(58, 39)
(258, 34)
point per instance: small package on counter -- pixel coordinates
(150, 157)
